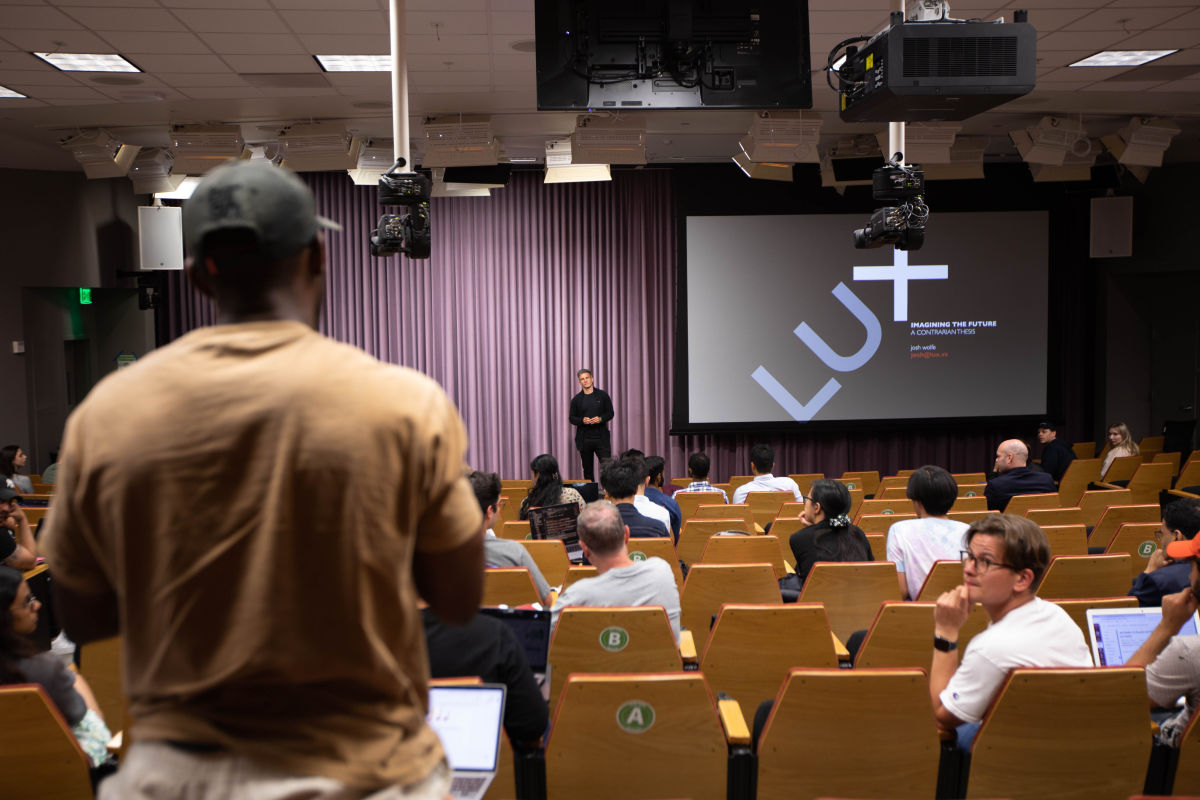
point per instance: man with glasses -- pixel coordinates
(1163, 575)
(1003, 564)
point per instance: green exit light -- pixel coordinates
(85, 296)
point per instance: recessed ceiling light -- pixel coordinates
(355, 63)
(1122, 58)
(7, 92)
(88, 62)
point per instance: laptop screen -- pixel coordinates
(467, 719)
(532, 629)
(558, 522)
(1117, 633)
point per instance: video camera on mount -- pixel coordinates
(902, 225)
(407, 233)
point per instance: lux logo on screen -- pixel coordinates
(899, 273)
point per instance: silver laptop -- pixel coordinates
(1116, 633)
(468, 720)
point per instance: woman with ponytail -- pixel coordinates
(829, 535)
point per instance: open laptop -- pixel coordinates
(467, 719)
(532, 629)
(1116, 633)
(558, 522)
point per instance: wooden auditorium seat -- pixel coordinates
(977, 503)
(1055, 516)
(891, 482)
(892, 492)
(1095, 501)
(881, 523)
(510, 509)
(1077, 608)
(1122, 468)
(1084, 449)
(39, 756)
(968, 516)
(867, 480)
(1080, 473)
(689, 501)
(1071, 734)
(641, 548)
(641, 737)
(1169, 458)
(1189, 474)
(1085, 576)
(764, 506)
(1139, 540)
(709, 586)
(100, 665)
(514, 529)
(1021, 503)
(901, 632)
(578, 572)
(626, 639)
(736, 481)
(1067, 540)
(878, 542)
(901, 506)
(972, 489)
(739, 511)
(745, 550)
(942, 577)
(510, 586)
(850, 733)
(550, 555)
(1146, 482)
(783, 528)
(851, 592)
(780, 637)
(969, 477)
(695, 533)
(1116, 516)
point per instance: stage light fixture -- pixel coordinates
(608, 140)
(375, 158)
(460, 142)
(561, 169)
(782, 137)
(151, 172)
(198, 148)
(966, 161)
(1142, 143)
(319, 147)
(763, 170)
(1049, 141)
(101, 154)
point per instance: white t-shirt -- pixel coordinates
(1037, 634)
(644, 583)
(648, 508)
(1174, 674)
(767, 483)
(914, 544)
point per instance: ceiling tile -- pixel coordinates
(68, 6)
(1128, 20)
(514, 61)
(187, 80)
(1080, 40)
(1128, 86)
(230, 21)
(231, 4)
(455, 5)
(221, 92)
(421, 23)
(34, 17)
(1047, 20)
(512, 22)
(430, 45)
(437, 63)
(1191, 85)
(16, 78)
(514, 79)
(272, 63)
(847, 23)
(324, 91)
(138, 95)
(61, 40)
(450, 79)
(162, 42)
(340, 21)
(1190, 21)
(253, 43)
(359, 80)
(1189, 56)
(1142, 3)
(348, 44)
(1165, 38)
(126, 19)
(19, 59)
(321, 5)
(7, 103)
(162, 63)
(69, 93)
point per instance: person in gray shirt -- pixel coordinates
(620, 581)
(499, 552)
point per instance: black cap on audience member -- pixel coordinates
(7, 494)
(1048, 425)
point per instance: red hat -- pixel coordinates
(1189, 548)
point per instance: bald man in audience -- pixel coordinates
(620, 581)
(1014, 477)
(1005, 559)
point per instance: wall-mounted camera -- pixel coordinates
(410, 232)
(903, 224)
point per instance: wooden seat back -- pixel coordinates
(709, 586)
(977, 504)
(880, 523)
(867, 480)
(1084, 449)
(661, 547)
(969, 477)
(695, 533)
(942, 577)
(878, 542)
(1169, 458)
(1055, 516)
(783, 528)
(1067, 540)
(627, 639)
(1095, 501)
(1148, 481)
(578, 572)
(681, 482)
(100, 665)
(1116, 516)
(1189, 475)
(971, 489)
(738, 511)
(851, 592)
(1098, 746)
(891, 482)
(514, 529)
(1139, 540)
(899, 635)
(690, 501)
(805, 480)
(516, 483)
(803, 752)
(1078, 607)
(736, 481)
(968, 516)
(892, 493)
(1187, 772)
(39, 756)
(1122, 468)
(1019, 504)
(745, 550)
(901, 506)
(1074, 482)
(1085, 576)
(550, 555)
(1152, 443)
(508, 586)
(660, 734)
(764, 506)
(35, 515)
(510, 509)
(780, 637)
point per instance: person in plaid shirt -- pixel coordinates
(698, 465)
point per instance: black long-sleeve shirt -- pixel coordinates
(596, 404)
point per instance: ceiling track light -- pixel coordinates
(1143, 142)
(198, 148)
(561, 169)
(1049, 141)
(319, 147)
(608, 140)
(101, 154)
(151, 172)
(461, 142)
(782, 137)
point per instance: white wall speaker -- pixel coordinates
(1112, 227)
(160, 237)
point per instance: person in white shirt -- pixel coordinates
(644, 505)
(914, 544)
(1004, 561)
(762, 462)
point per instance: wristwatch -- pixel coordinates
(945, 645)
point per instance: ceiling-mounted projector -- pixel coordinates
(933, 71)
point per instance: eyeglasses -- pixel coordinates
(31, 601)
(982, 563)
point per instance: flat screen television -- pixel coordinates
(631, 54)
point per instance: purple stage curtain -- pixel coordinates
(529, 285)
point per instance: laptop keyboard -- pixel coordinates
(465, 786)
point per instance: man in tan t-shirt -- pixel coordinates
(255, 508)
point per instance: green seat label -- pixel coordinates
(888, 511)
(1146, 549)
(635, 716)
(614, 639)
(637, 555)
(970, 494)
